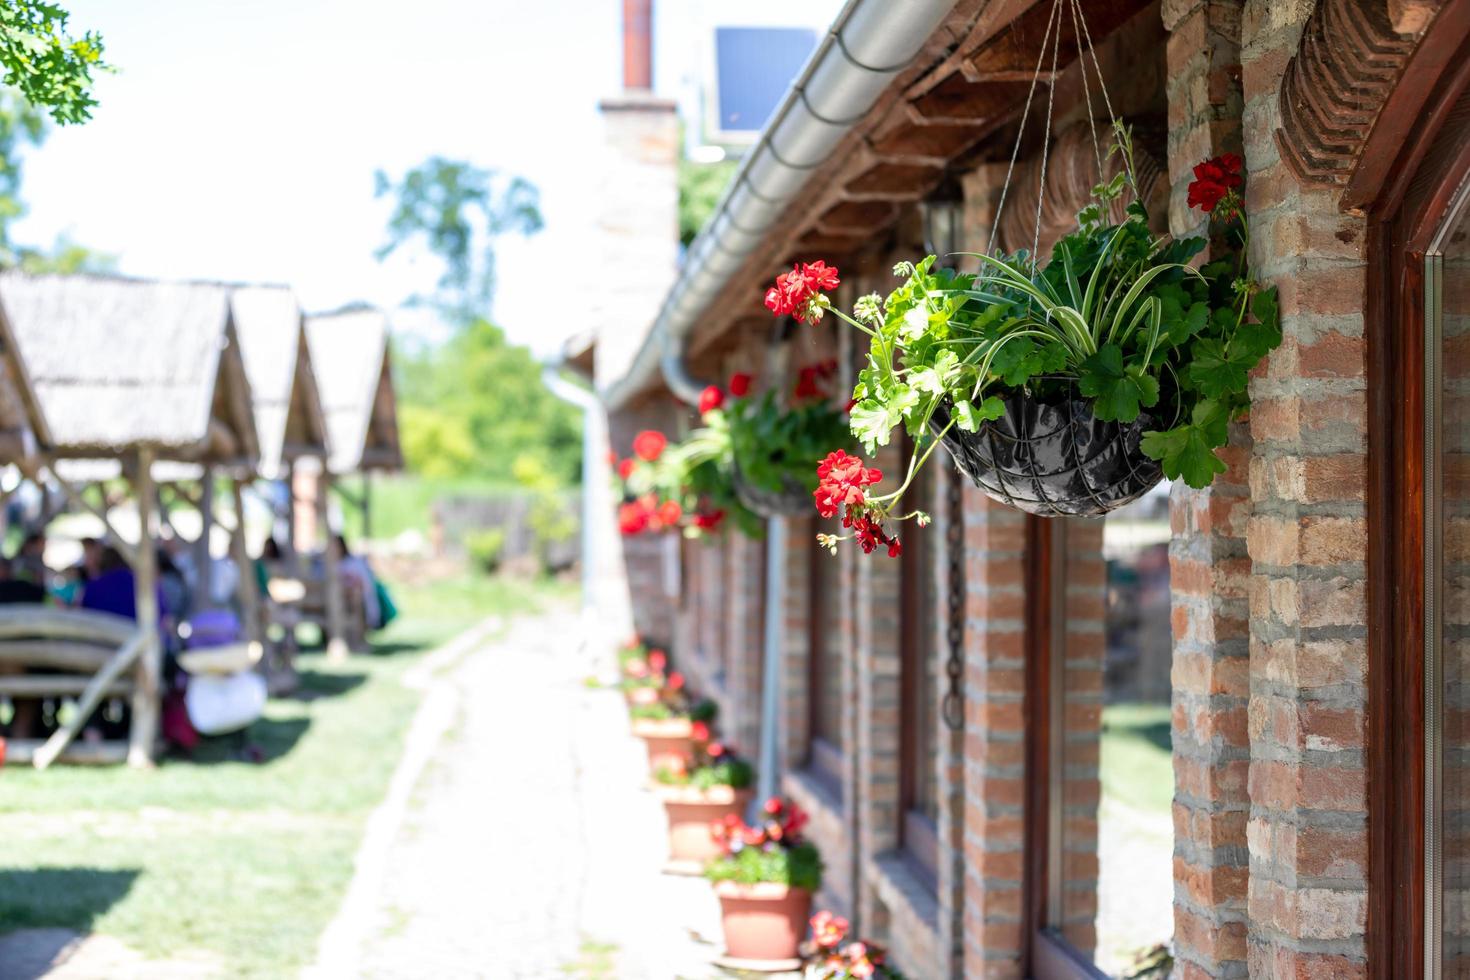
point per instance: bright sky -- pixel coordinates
(238, 138)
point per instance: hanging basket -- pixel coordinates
(792, 500)
(1055, 458)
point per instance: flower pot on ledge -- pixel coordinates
(690, 811)
(763, 922)
(668, 740)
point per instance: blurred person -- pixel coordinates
(114, 589)
(16, 591)
(358, 575)
(29, 563)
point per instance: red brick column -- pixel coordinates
(1208, 565)
(994, 739)
(878, 702)
(1307, 532)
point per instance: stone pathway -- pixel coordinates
(527, 847)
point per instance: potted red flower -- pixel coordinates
(832, 959)
(764, 878)
(668, 723)
(713, 785)
(643, 678)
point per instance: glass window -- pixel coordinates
(1447, 600)
(918, 682)
(825, 618)
(1111, 878)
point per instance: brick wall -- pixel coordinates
(1306, 540)
(1208, 563)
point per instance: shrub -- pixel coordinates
(487, 549)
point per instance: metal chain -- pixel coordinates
(953, 707)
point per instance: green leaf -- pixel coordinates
(1117, 392)
(1184, 452)
(968, 416)
(1218, 371)
(936, 378)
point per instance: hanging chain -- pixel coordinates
(953, 706)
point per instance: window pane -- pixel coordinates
(920, 656)
(1454, 592)
(826, 641)
(1117, 777)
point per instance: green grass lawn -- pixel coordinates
(1136, 766)
(242, 861)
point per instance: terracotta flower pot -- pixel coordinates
(691, 811)
(667, 739)
(763, 922)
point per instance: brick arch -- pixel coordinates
(1362, 76)
(1349, 60)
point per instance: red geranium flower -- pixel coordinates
(675, 681)
(841, 478)
(699, 731)
(714, 750)
(1214, 180)
(828, 930)
(797, 293)
(806, 383)
(658, 660)
(625, 468)
(739, 385)
(773, 806)
(649, 444)
(669, 512)
(708, 520)
(710, 399)
(632, 518)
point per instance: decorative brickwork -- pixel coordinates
(1306, 536)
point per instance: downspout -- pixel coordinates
(593, 435)
(868, 44)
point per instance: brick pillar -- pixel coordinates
(994, 739)
(951, 761)
(1208, 566)
(1307, 896)
(878, 699)
(1081, 673)
(801, 545)
(744, 581)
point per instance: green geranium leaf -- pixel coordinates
(968, 416)
(1217, 371)
(1118, 392)
(1184, 452)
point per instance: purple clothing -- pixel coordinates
(113, 592)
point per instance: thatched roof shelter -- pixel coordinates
(125, 364)
(349, 351)
(23, 428)
(289, 418)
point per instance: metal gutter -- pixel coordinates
(869, 43)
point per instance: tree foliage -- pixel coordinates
(459, 211)
(48, 66)
(700, 187)
(475, 404)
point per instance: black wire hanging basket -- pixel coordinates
(1053, 457)
(792, 500)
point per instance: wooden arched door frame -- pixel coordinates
(1410, 172)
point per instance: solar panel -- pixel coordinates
(754, 68)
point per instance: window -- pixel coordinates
(824, 687)
(1447, 592)
(918, 691)
(1100, 813)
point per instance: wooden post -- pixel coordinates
(291, 550)
(249, 587)
(148, 693)
(202, 558)
(367, 505)
(336, 616)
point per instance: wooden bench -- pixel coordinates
(87, 657)
(298, 598)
